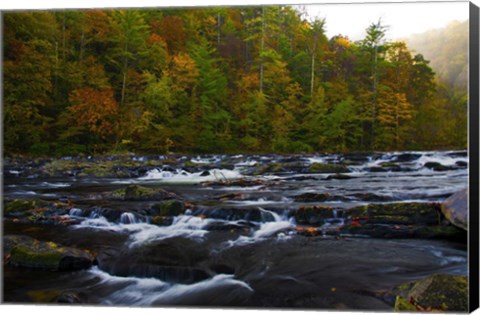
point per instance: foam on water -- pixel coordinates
(48, 184)
(140, 232)
(266, 230)
(148, 291)
(181, 176)
(128, 218)
(75, 212)
(183, 226)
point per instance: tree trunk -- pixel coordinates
(262, 47)
(125, 68)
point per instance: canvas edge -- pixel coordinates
(474, 157)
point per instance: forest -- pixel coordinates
(253, 79)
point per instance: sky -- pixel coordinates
(402, 19)
(350, 19)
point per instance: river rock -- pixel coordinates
(455, 209)
(338, 176)
(168, 208)
(328, 168)
(249, 214)
(24, 251)
(313, 215)
(312, 197)
(139, 193)
(19, 205)
(437, 292)
(399, 213)
(437, 166)
(175, 259)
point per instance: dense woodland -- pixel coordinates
(216, 80)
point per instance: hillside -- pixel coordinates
(447, 50)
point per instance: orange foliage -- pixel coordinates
(184, 71)
(94, 109)
(172, 29)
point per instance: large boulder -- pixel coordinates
(437, 292)
(24, 251)
(455, 209)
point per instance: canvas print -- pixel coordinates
(265, 156)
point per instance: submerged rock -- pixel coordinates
(24, 251)
(455, 209)
(438, 292)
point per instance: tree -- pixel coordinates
(373, 43)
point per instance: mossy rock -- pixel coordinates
(328, 168)
(389, 164)
(403, 305)
(168, 208)
(405, 213)
(162, 220)
(30, 253)
(338, 176)
(19, 205)
(270, 168)
(436, 292)
(314, 215)
(139, 193)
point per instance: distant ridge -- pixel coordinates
(447, 50)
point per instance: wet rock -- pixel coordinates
(403, 231)
(399, 213)
(19, 205)
(328, 168)
(168, 208)
(436, 166)
(27, 252)
(251, 214)
(339, 177)
(437, 292)
(162, 221)
(455, 209)
(270, 168)
(313, 215)
(69, 297)
(312, 197)
(227, 226)
(371, 197)
(407, 157)
(230, 196)
(139, 193)
(461, 164)
(176, 260)
(237, 182)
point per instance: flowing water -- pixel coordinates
(216, 254)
